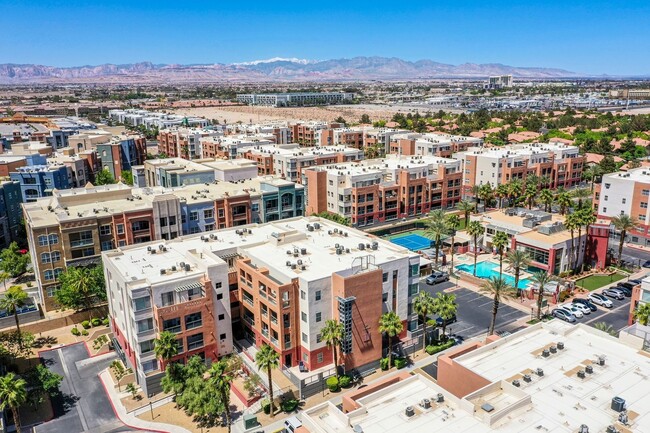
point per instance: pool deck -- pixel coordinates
(523, 275)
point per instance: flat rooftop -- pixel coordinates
(522, 150)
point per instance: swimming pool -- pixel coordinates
(488, 269)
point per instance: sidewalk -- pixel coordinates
(129, 418)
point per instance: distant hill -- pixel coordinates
(276, 69)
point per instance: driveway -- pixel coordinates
(475, 311)
(83, 405)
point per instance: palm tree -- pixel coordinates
(546, 198)
(13, 394)
(517, 260)
(11, 302)
(501, 192)
(581, 194)
(475, 229)
(500, 241)
(591, 173)
(466, 207)
(530, 193)
(436, 227)
(642, 314)
(606, 327)
(624, 224)
(588, 218)
(486, 194)
(423, 306)
(4, 276)
(514, 190)
(541, 279)
(221, 376)
(545, 181)
(533, 180)
(267, 359)
(499, 290)
(165, 346)
(444, 305)
(452, 222)
(571, 222)
(392, 325)
(563, 200)
(332, 334)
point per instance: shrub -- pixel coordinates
(345, 381)
(289, 405)
(28, 284)
(266, 406)
(105, 322)
(96, 321)
(400, 363)
(75, 332)
(383, 363)
(85, 324)
(84, 332)
(439, 347)
(333, 384)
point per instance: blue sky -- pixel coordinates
(595, 37)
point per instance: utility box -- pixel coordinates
(250, 421)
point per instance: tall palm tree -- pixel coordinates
(530, 193)
(332, 334)
(13, 394)
(486, 194)
(423, 306)
(515, 188)
(466, 207)
(541, 279)
(11, 302)
(500, 241)
(571, 223)
(590, 174)
(517, 260)
(642, 314)
(545, 181)
(436, 228)
(588, 218)
(165, 346)
(624, 224)
(563, 200)
(453, 223)
(4, 276)
(475, 229)
(501, 192)
(581, 194)
(546, 198)
(221, 376)
(392, 325)
(499, 290)
(267, 359)
(533, 180)
(445, 306)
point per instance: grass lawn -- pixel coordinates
(594, 282)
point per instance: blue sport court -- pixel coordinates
(413, 242)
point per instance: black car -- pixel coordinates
(586, 302)
(646, 264)
(624, 289)
(629, 284)
(440, 321)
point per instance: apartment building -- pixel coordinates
(279, 282)
(151, 119)
(173, 172)
(379, 190)
(280, 130)
(350, 137)
(380, 137)
(74, 226)
(184, 142)
(626, 193)
(40, 180)
(498, 82)
(561, 163)
(10, 212)
(228, 147)
(294, 99)
(308, 133)
(430, 144)
(9, 163)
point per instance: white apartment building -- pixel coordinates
(150, 119)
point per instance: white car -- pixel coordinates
(601, 300)
(573, 310)
(583, 308)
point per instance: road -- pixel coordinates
(632, 255)
(83, 405)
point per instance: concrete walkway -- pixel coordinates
(130, 419)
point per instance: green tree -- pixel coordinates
(332, 334)
(591, 173)
(540, 279)
(500, 241)
(624, 223)
(104, 177)
(221, 376)
(475, 229)
(4, 276)
(165, 346)
(530, 193)
(486, 193)
(581, 194)
(340, 119)
(445, 306)
(436, 228)
(81, 288)
(120, 372)
(500, 291)
(127, 177)
(14, 299)
(12, 261)
(517, 260)
(423, 306)
(267, 359)
(546, 198)
(466, 207)
(501, 192)
(41, 383)
(606, 327)
(515, 189)
(13, 394)
(564, 201)
(453, 223)
(392, 326)
(365, 119)
(642, 314)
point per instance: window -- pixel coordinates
(623, 201)
(194, 216)
(255, 207)
(641, 217)
(304, 337)
(643, 205)
(150, 366)
(604, 210)
(319, 358)
(219, 296)
(415, 270)
(120, 229)
(303, 295)
(319, 338)
(81, 239)
(195, 341)
(607, 185)
(194, 293)
(163, 222)
(303, 316)
(413, 289)
(121, 243)
(193, 321)
(222, 337)
(319, 317)
(384, 296)
(209, 227)
(172, 325)
(107, 245)
(645, 192)
(221, 317)
(85, 252)
(167, 299)
(105, 230)
(217, 285)
(384, 277)
(140, 304)
(220, 213)
(42, 240)
(49, 275)
(146, 346)
(318, 295)
(51, 291)
(172, 220)
(144, 325)
(208, 213)
(45, 258)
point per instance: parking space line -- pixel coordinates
(607, 312)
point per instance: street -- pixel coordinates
(631, 255)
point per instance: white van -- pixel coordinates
(292, 424)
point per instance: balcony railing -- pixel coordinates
(81, 243)
(274, 341)
(248, 300)
(265, 332)
(286, 324)
(173, 329)
(249, 320)
(274, 320)
(194, 324)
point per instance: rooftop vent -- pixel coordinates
(601, 360)
(560, 345)
(546, 353)
(553, 349)
(516, 383)
(487, 407)
(539, 372)
(410, 411)
(527, 378)
(612, 429)
(163, 271)
(440, 398)
(426, 403)
(581, 374)
(583, 429)
(317, 226)
(618, 404)
(362, 246)
(589, 369)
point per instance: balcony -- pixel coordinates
(81, 243)
(173, 329)
(194, 324)
(274, 341)
(265, 332)
(250, 320)
(274, 320)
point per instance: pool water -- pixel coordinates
(488, 269)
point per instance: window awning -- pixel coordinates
(187, 287)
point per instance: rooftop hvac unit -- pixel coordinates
(303, 251)
(612, 429)
(336, 230)
(347, 250)
(618, 404)
(149, 248)
(317, 226)
(339, 251)
(440, 398)
(516, 383)
(153, 251)
(288, 263)
(345, 234)
(539, 372)
(337, 246)
(294, 266)
(289, 252)
(426, 403)
(560, 345)
(546, 353)
(553, 349)
(310, 228)
(581, 374)
(527, 378)
(163, 271)
(362, 246)
(329, 232)
(589, 369)
(187, 267)
(410, 411)
(583, 429)
(601, 361)
(623, 418)
(300, 262)
(173, 268)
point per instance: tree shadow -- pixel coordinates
(62, 403)
(40, 342)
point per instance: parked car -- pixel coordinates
(563, 314)
(613, 293)
(585, 302)
(572, 309)
(627, 292)
(646, 264)
(601, 300)
(440, 321)
(638, 280)
(582, 308)
(437, 277)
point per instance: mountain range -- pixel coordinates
(276, 69)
